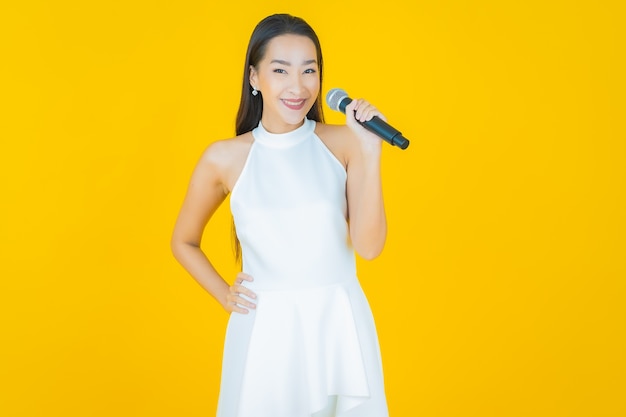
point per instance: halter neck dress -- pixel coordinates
(310, 347)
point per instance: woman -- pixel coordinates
(301, 340)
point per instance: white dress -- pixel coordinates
(310, 347)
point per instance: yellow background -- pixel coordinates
(501, 290)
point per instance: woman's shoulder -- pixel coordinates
(338, 139)
(224, 159)
(225, 151)
(332, 132)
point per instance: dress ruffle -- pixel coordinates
(303, 348)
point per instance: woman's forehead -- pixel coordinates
(291, 49)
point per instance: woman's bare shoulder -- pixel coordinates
(337, 138)
(227, 157)
(331, 131)
(224, 151)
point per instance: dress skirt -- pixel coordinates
(309, 352)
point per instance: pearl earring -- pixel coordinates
(254, 91)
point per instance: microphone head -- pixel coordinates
(334, 97)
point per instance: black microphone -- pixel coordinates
(338, 100)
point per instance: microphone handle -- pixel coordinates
(379, 127)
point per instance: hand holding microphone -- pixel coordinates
(337, 99)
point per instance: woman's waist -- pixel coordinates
(300, 272)
(275, 280)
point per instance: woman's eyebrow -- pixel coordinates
(287, 63)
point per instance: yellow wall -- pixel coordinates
(501, 291)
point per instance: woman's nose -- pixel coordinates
(297, 85)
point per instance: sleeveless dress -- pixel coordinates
(310, 347)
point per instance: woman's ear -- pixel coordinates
(253, 77)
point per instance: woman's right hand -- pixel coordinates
(234, 299)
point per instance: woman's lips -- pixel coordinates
(294, 104)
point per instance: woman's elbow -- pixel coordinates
(370, 254)
(175, 247)
(178, 245)
(370, 250)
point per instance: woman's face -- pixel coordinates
(289, 82)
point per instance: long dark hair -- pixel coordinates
(250, 106)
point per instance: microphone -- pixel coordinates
(338, 100)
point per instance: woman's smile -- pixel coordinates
(294, 104)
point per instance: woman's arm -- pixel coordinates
(366, 211)
(205, 193)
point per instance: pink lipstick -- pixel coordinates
(294, 104)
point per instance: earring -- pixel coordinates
(254, 91)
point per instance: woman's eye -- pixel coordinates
(280, 71)
(310, 71)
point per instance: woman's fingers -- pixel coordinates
(237, 303)
(363, 110)
(234, 308)
(239, 288)
(235, 300)
(242, 276)
(360, 111)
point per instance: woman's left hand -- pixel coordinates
(360, 110)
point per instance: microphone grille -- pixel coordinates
(334, 97)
